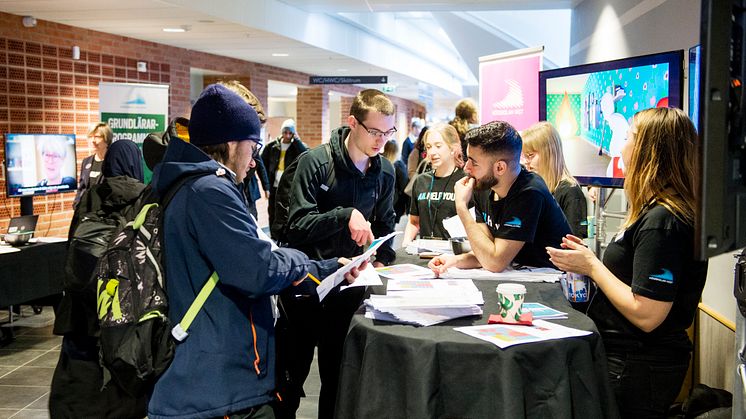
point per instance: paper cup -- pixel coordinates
(510, 299)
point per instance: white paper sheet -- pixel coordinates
(47, 239)
(523, 275)
(367, 277)
(504, 336)
(406, 271)
(455, 227)
(337, 277)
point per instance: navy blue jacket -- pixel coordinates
(227, 362)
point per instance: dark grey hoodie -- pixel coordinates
(318, 219)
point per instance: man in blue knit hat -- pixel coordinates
(225, 367)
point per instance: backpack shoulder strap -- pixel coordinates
(329, 171)
(180, 331)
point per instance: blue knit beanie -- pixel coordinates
(220, 116)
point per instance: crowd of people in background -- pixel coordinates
(255, 341)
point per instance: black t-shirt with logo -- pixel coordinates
(655, 257)
(95, 170)
(433, 201)
(528, 213)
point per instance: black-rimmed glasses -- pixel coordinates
(376, 132)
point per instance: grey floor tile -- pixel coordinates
(48, 360)
(6, 370)
(6, 413)
(18, 357)
(32, 414)
(18, 397)
(35, 342)
(41, 403)
(29, 376)
(37, 331)
(309, 408)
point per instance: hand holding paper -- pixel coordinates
(337, 277)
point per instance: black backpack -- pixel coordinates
(132, 307)
(279, 227)
(93, 225)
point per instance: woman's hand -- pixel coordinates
(573, 257)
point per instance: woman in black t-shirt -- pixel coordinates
(542, 153)
(432, 193)
(649, 284)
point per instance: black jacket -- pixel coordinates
(271, 156)
(318, 219)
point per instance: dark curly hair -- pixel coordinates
(497, 138)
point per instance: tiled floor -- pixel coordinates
(27, 365)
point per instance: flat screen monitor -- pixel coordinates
(592, 106)
(40, 164)
(721, 217)
(695, 65)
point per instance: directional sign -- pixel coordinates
(348, 80)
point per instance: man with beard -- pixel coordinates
(516, 215)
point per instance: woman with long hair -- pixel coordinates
(433, 199)
(465, 118)
(542, 153)
(649, 284)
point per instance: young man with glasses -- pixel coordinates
(335, 218)
(516, 215)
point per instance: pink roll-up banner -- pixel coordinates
(509, 87)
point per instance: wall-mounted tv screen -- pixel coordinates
(695, 60)
(38, 164)
(592, 106)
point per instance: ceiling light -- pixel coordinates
(179, 29)
(280, 54)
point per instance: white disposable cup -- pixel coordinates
(510, 300)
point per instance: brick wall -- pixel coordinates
(43, 90)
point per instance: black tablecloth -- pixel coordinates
(35, 272)
(400, 371)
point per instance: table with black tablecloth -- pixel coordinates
(401, 371)
(35, 272)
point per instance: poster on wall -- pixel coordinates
(134, 110)
(509, 87)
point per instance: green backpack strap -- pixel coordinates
(179, 332)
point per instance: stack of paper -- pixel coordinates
(429, 245)
(504, 335)
(513, 275)
(540, 311)
(405, 271)
(425, 302)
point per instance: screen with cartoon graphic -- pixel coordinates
(592, 106)
(39, 164)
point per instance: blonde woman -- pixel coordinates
(542, 154)
(433, 199)
(100, 138)
(648, 284)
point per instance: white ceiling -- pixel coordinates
(318, 39)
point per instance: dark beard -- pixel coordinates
(485, 183)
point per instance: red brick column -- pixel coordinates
(312, 114)
(344, 108)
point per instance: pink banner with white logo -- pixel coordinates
(509, 87)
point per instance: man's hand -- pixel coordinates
(463, 190)
(440, 264)
(360, 231)
(354, 272)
